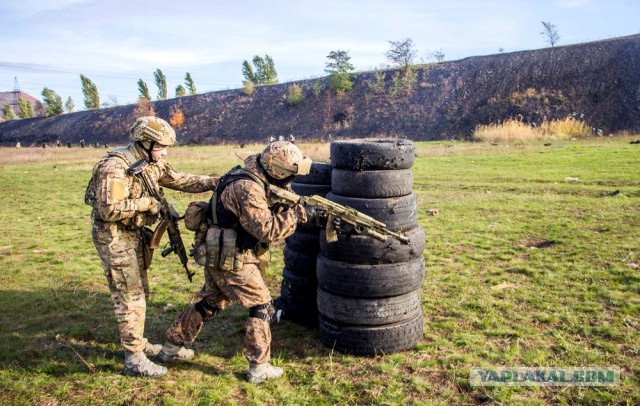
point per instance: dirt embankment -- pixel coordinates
(599, 81)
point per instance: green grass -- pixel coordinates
(531, 261)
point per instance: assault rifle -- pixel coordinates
(361, 223)
(169, 217)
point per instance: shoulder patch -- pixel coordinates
(116, 190)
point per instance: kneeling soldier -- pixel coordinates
(239, 225)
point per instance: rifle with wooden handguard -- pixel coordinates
(361, 223)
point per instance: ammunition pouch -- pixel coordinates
(228, 251)
(211, 248)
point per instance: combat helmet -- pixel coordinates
(282, 159)
(153, 129)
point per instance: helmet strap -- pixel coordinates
(147, 150)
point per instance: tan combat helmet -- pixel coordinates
(153, 129)
(282, 159)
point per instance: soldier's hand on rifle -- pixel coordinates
(342, 227)
(316, 215)
(148, 205)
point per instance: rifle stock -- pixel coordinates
(362, 224)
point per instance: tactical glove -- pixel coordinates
(315, 215)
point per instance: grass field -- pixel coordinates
(533, 260)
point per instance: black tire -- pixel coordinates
(372, 184)
(299, 263)
(304, 243)
(319, 174)
(372, 154)
(298, 290)
(370, 281)
(369, 311)
(304, 189)
(365, 340)
(398, 213)
(360, 249)
(303, 316)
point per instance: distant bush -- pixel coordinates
(294, 95)
(317, 87)
(248, 87)
(516, 130)
(176, 116)
(143, 107)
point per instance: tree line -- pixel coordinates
(261, 71)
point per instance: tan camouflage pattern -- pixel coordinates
(122, 259)
(244, 285)
(150, 128)
(118, 239)
(283, 151)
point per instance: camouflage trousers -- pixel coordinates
(122, 259)
(244, 286)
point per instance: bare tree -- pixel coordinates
(550, 33)
(402, 53)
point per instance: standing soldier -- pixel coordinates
(239, 225)
(121, 209)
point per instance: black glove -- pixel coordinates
(342, 227)
(315, 215)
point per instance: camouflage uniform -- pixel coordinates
(247, 201)
(120, 206)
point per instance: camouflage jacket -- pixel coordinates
(114, 194)
(249, 202)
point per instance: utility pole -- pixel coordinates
(15, 95)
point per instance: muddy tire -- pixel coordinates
(367, 340)
(360, 249)
(369, 281)
(369, 311)
(303, 316)
(372, 184)
(398, 213)
(319, 174)
(372, 154)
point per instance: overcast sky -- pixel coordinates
(49, 43)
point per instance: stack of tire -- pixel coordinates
(369, 291)
(299, 282)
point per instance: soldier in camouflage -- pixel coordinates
(241, 203)
(121, 209)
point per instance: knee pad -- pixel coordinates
(206, 310)
(266, 311)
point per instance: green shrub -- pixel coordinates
(340, 81)
(294, 95)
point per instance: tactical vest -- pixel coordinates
(224, 218)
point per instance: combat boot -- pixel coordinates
(259, 373)
(137, 364)
(173, 352)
